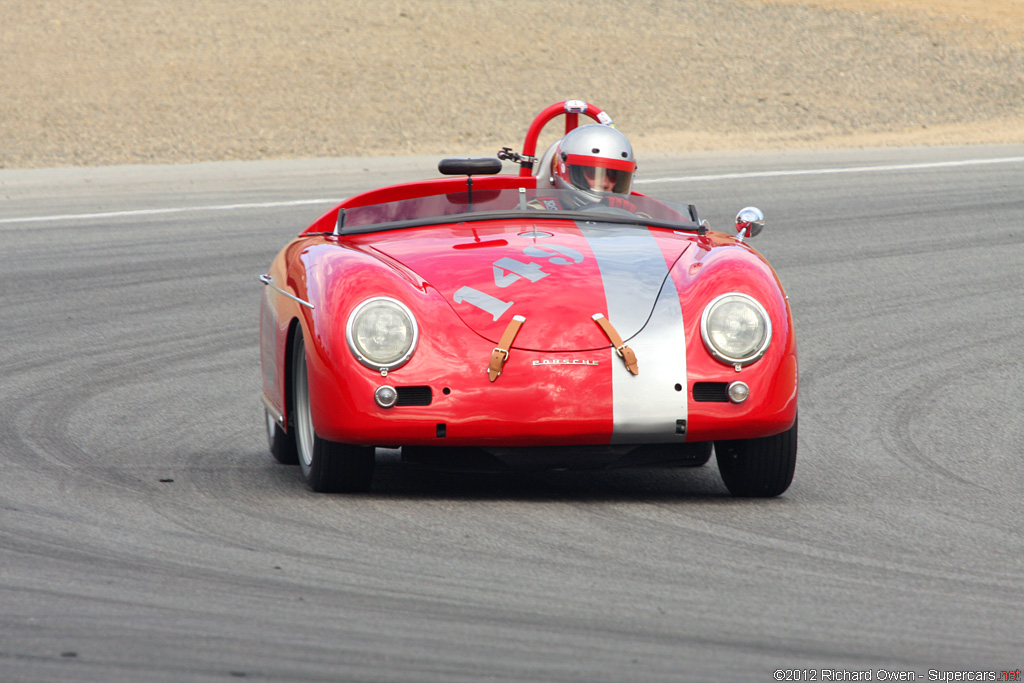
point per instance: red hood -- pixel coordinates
(556, 274)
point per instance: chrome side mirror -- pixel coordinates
(749, 222)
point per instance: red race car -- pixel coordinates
(551, 318)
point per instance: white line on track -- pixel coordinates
(159, 212)
(650, 181)
(831, 171)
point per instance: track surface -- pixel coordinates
(129, 358)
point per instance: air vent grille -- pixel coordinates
(414, 396)
(711, 392)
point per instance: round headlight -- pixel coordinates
(736, 329)
(382, 333)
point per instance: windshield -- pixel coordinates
(490, 204)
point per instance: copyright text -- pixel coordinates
(803, 675)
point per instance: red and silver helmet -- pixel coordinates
(594, 159)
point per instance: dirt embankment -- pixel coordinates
(85, 83)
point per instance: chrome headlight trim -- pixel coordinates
(405, 346)
(724, 355)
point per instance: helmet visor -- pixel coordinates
(595, 174)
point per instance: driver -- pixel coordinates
(596, 162)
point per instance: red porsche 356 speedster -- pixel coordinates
(551, 318)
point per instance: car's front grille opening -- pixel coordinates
(711, 392)
(414, 396)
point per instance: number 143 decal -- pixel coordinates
(509, 270)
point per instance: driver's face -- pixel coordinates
(605, 182)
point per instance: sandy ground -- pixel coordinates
(146, 81)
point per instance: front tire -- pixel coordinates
(327, 466)
(758, 467)
(280, 443)
(702, 453)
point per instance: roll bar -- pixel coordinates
(572, 110)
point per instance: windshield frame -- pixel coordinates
(360, 219)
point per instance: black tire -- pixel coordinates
(703, 454)
(280, 442)
(328, 467)
(758, 467)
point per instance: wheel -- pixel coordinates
(327, 466)
(693, 454)
(702, 453)
(281, 443)
(758, 467)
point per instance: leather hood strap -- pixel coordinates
(626, 353)
(500, 353)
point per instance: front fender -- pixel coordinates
(723, 265)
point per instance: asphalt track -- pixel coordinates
(147, 535)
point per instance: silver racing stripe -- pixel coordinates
(646, 407)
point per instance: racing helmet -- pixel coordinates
(596, 160)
